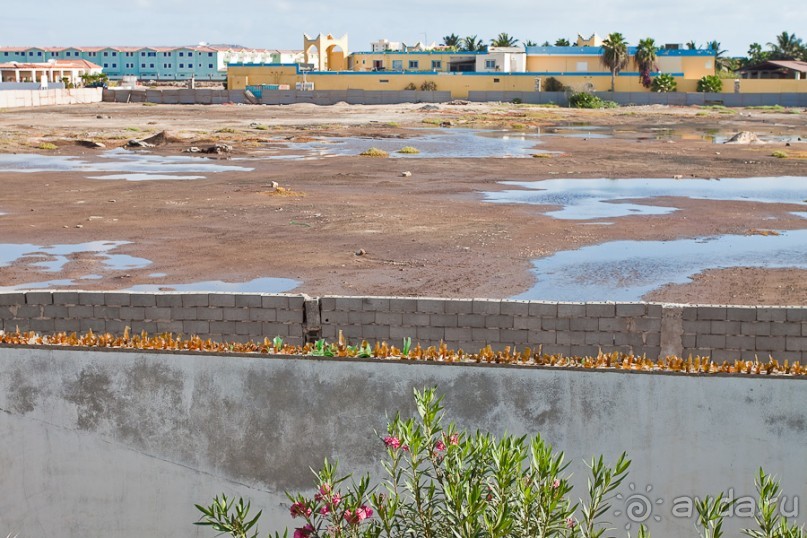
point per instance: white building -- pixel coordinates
(503, 60)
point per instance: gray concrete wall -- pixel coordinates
(651, 98)
(273, 97)
(721, 332)
(31, 98)
(4, 86)
(122, 443)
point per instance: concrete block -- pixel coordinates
(96, 325)
(143, 299)
(557, 349)
(630, 310)
(786, 329)
(600, 310)
(689, 313)
(514, 337)
(600, 339)
(431, 306)
(148, 326)
(571, 337)
(67, 325)
(645, 325)
(581, 350)
(515, 308)
(455, 335)
(655, 311)
(8, 299)
(182, 313)
(195, 299)
(771, 313)
(804, 328)
(269, 314)
(106, 312)
(223, 327)
(444, 320)
(116, 299)
(697, 327)
(91, 298)
(6, 312)
(64, 297)
(571, 310)
(712, 313)
(397, 334)
(544, 310)
(235, 314)
(755, 328)
(711, 341)
(555, 324)
(612, 324)
(290, 316)
(430, 334)
(85, 311)
(42, 325)
(346, 304)
(771, 343)
(489, 307)
(353, 333)
(116, 327)
(415, 320)
(173, 300)
(747, 343)
(797, 314)
(221, 299)
(459, 306)
(251, 328)
(475, 321)
(199, 328)
(157, 313)
(741, 313)
(794, 343)
(354, 317)
(271, 329)
(375, 304)
(652, 339)
(388, 318)
(296, 303)
(584, 324)
(531, 324)
(248, 301)
(60, 311)
(38, 297)
(499, 322)
(725, 327)
(488, 336)
(403, 305)
(377, 332)
(537, 338)
(725, 355)
(688, 341)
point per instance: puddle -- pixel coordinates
(802, 214)
(134, 165)
(258, 285)
(583, 199)
(433, 143)
(39, 285)
(626, 270)
(55, 257)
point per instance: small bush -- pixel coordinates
(517, 101)
(554, 85)
(710, 84)
(664, 83)
(779, 154)
(589, 100)
(374, 152)
(409, 150)
(149, 104)
(261, 127)
(428, 86)
(48, 146)
(411, 86)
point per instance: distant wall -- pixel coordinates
(4, 86)
(651, 98)
(31, 98)
(274, 97)
(721, 332)
(123, 443)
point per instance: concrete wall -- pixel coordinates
(29, 86)
(650, 98)
(123, 443)
(29, 98)
(722, 332)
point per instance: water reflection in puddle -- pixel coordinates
(583, 199)
(134, 165)
(626, 270)
(55, 257)
(258, 285)
(433, 143)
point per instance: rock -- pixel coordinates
(445, 124)
(138, 144)
(90, 144)
(156, 139)
(458, 102)
(219, 148)
(406, 174)
(361, 252)
(275, 185)
(192, 149)
(678, 176)
(744, 137)
(79, 226)
(429, 107)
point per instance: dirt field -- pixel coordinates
(430, 234)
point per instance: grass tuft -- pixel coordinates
(374, 152)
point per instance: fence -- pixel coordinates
(32, 98)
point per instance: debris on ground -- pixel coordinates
(744, 137)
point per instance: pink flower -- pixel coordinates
(324, 511)
(570, 522)
(392, 442)
(300, 509)
(336, 499)
(454, 439)
(361, 513)
(405, 448)
(556, 484)
(303, 532)
(439, 446)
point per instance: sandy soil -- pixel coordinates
(429, 234)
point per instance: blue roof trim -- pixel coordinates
(435, 52)
(596, 51)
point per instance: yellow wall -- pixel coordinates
(692, 67)
(365, 62)
(767, 85)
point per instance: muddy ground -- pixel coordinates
(430, 234)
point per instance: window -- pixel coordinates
(143, 66)
(190, 54)
(490, 64)
(397, 65)
(383, 80)
(413, 64)
(209, 54)
(5, 54)
(114, 66)
(181, 66)
(581, 66)
(151, 66)
(106, 54)
(152, 54)
(93, 54)
(496, 80)
(209, 66)
(182, 54)
(142, 54)
(39, 53)
(106, 66)
(114, 54)
(437, 64)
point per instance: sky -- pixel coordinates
(280, 24)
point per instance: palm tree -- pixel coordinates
(691, 45)
(562, 42)
(615, 55)
(452, 41)
(471, 43)
(545, 44)
(504, 40)
(645, 58)
(756, 54)
(721, 62)
(530, 43)
(787, 47)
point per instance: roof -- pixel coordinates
(596, 51)
(200, 48)
(769, 65)
(53, 64)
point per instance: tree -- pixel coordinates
(504, 40)
(472, 43)
(615, 55)
(545, 44)
(645, 58)
(721, 62)
(562, 42)
(691, 45)
(756, 54)
(530, 43)
(452, 40)
(787, 47)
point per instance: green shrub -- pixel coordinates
(409, 150)
(553, 85)
(411, 86)
(589, 100)
(48, 146)
(664, 83)
(710, 84)
(517, 101)
(374, 152)
(428, 86)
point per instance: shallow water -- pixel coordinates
(258, 285)
(55, 257)
(626, 270)
(583, 199)
(134, 165)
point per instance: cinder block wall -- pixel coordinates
(721, 332)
